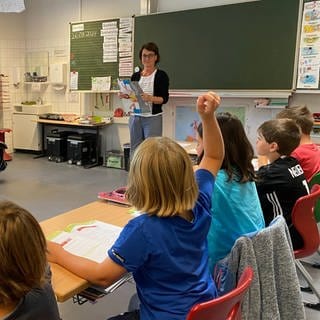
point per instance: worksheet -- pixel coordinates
(90, 239)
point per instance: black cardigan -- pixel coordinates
(160, 88)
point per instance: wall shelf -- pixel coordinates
(270, 107)
(41, 82)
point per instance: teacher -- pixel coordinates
(155, 86)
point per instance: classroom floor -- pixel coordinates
(47, 188)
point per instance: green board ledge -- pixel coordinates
(233, 93)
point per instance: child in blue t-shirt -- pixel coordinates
(165, 247)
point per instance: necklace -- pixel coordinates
(145, 73)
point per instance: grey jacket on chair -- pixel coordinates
(275, 291)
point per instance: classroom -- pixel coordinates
(52, 81)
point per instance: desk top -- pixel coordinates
(189, 146)
(76, 124)
(65, 283)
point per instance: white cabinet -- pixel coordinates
(26, 132)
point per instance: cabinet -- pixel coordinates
(26, 132)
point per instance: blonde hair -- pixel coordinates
(161, 180)
(22, 253)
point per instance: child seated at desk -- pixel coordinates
(25, 288)
(307, 152)
(236, 207)
(281, 182)
(165, 248)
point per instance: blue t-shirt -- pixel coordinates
(169, 258)
(236, 210)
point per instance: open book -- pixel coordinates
(135, 103)
(89, 239)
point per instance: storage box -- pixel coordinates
(57, 145)
(81, 149)
(114, 159)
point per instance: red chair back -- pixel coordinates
(226, 307)
(303, 219)
(316, 180)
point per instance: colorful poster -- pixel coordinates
(309, 53)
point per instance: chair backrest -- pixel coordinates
(304, 221)
(316, 180)
(226, 307)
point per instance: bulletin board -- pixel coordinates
(100, 49)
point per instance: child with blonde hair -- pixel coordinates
(25, 289)
(165, 247)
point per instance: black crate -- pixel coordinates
(82, 149)
(57, 145)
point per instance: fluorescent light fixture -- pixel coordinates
(12, 6)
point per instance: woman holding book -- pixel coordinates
(155, 92)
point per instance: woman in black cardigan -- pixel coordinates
(155, 85)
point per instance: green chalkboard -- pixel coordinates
(240, 46)
(88, 52)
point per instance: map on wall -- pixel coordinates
(187, 120)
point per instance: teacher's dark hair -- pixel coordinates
(150, 46)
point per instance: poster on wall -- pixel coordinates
(187, 120)
(309, 52)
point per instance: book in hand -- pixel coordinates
(136, 104)
(90, 239)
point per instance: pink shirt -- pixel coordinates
(308, 156)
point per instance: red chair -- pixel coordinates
(226, 307)
(303, 219)
(6, 156)
(316, 180)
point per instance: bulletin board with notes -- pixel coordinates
(100, 53)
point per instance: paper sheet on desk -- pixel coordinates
(89, 239)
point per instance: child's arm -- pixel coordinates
(213, 145)
(103, 274)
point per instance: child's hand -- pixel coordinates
(53, 250)
(123, 95)
(207, 104)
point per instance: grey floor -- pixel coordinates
(48, 188)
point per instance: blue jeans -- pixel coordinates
(142, 128)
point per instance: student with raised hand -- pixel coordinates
(25, 288)
(307, 152)
(236, 208)
(281, 182)
(165, 247)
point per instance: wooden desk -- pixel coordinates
(96, 127)
(65, 283)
